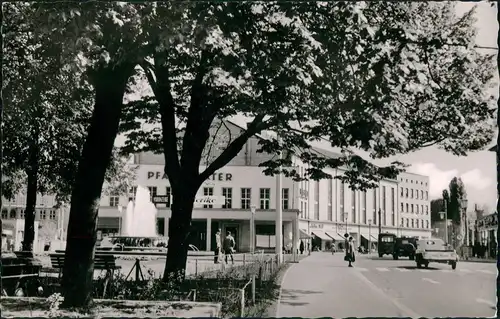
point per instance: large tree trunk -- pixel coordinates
(179, 229)
(110, 84)
(29, 221)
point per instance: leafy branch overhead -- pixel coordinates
(377, 76)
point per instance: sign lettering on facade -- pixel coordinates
(161, 200)
(313, 225)
(222, 177)
(210, 200)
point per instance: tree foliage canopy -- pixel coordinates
(48, 104)
(384, 77)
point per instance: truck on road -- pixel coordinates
(405, 247)
(386, 244)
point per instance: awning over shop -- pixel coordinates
(321, 235)
(335, 236)
(367, 236)
(303, 234)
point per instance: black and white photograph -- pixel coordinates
(249, 159)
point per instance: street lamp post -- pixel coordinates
(252, 229)
(465, 203)
(369, 235)
(279, 213)
(379, 221)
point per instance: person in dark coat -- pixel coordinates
(301, 247)
(349, 252)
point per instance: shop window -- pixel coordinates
(246, 195)
(153, 190)
(285, 198)
(265, 198)
(131, 193)
(114, 200)
(227, 192)
(52, 215)
(208, 191)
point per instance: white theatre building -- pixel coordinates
(323, 210)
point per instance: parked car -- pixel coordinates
(435, 250)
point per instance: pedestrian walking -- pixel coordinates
(218, 246)
(349, 252)
(301, 247)
(229, 245)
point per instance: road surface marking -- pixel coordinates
(382, 269)
(430, 280)
(486, 271)
(424, 270)
(406, 312)
(281, 290)
(464, 270)
(487, 302)
(403, 269)
(361, 269)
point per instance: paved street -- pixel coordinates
(323, 286)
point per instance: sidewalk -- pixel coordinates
(323, 286)
(478, 260)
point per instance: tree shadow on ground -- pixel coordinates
(290, 296)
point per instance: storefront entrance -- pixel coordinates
(198, 234)
(235, 232)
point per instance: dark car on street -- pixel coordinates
(386, 244)
(405, 247)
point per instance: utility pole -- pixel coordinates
(379, 223)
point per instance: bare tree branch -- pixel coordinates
(256, 126)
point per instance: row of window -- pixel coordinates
(42, 214)
(411, 193)
(416, 182)
(414, 208)
(415, 223)
(20, 200)
(227, 192)
(357, 197)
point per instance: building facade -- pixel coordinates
(49, 221)
(317, 212)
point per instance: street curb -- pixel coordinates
(478, 261)
(273, 307)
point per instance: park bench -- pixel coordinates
(18, 270)
(101, 262)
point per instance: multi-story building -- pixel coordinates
(50, 222)
(414, 203)
(321, 210)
